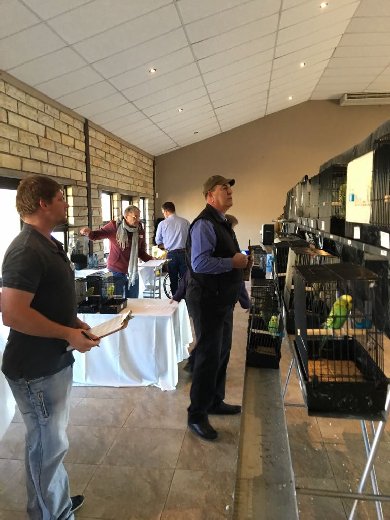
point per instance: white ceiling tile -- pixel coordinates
(115, 113)
(310, 10)
(316, 24)
(48, 67)
(194, 116)
(144, 54)
(196, 97)
(297, 76)
(127, 121)
(129, 34)
(262, 46)
(326, 37)
(164, 65)
(237, 90)
(246, 93)
(69, 82)
(192, 123)
(352, 72)
(373, 8)
(235, 80)
(363, 61)
(198, 105)
(15, 17)
(227, 40)
(191, 11)
(230, 19)
(362, 51)
(313, 55)
(237, 67)
(102, 105)
(27, 45)
(46, 9)
(90, 93)
(165, 94)
(372, 24)
(165, 81)
(350, 39)
(99, 16)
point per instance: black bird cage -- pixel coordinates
(265, 326)
(301, 256)
(259, 267)
(280, 252)
(100, 295)
(339, 340)
(380, 192)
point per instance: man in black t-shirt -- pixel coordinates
(39, 305)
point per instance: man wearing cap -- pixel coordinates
(171, 235)
(216, 267)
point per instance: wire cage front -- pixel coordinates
(339, 340)
(259, 267)
(100, 295)
(265, 326)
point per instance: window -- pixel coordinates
(10, 223)
(107, 210)
(142, 209)
(106, 200)
(125, 202)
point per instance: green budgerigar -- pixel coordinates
(339, 312)
(273, 325)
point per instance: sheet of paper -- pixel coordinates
(110, 326)
(152, 263)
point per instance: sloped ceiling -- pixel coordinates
(219, 63)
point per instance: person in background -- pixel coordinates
(172, 235)
(127, 244)
(39, 305)
(243, 297)
(216, 264)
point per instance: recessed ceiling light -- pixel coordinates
(290, 98)
(323, 5)
(152, 70)
(180, 109)
(302, 64)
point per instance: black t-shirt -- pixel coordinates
(34, 264)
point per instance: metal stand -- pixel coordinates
(153, 290)
(371, 451)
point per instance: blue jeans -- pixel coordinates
(44, 404)
(121, 281)
(176, 267)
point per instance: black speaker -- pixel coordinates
(267, 234)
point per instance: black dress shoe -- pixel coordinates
(225, 409)
(204, 429)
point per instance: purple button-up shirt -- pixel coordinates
(203, 243)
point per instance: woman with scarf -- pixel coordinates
(127, 244)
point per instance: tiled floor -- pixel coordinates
(134, 459)
(132, 455)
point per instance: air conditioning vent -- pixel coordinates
(365, 98)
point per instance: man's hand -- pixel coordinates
(85, 231)
(239, 261)
(81, 340)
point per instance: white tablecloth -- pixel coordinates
(7, 401)
(145, 353)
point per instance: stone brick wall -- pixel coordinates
(37, 136)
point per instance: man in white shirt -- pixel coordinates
(172, 235)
